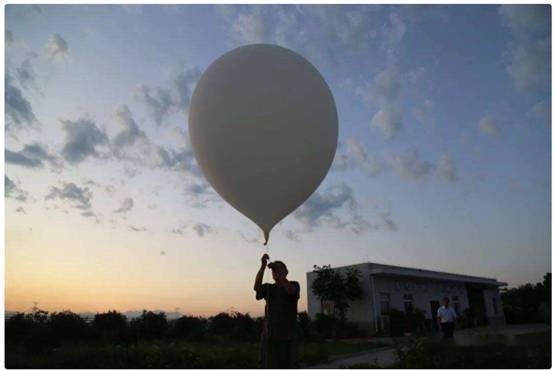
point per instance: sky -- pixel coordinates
(443, 161)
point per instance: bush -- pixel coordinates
(305, 327)
(67, 326)
(149, 325)
(234, 326)
(410, 322)
(30, 330)
(326, 325)
(417, 353)
(111, 327)
(190, 327)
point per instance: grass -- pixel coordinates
(183, 354)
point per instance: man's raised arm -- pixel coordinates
(259, 276)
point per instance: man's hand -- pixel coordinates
(264, 260)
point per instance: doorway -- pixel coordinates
(434, 305)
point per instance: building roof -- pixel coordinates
(399, 271)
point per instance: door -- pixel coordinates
(434, 305)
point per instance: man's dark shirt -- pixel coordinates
(281, 310)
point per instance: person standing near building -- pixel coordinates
(446, 319)
(278, 339)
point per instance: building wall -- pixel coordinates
(495, 316)
(422, 291)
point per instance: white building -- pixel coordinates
(388, 287)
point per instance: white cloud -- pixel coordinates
(126, 206)
(529, 54)
(411, 167)
(489, 125)
(57, 47)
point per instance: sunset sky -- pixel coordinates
(443, 160)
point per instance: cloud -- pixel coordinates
(159, 102)
(25, 73)
(446, 169)
(126, 206)
(19, 112)
(184, 85)
(372, 164)
(253, 240)
(387, 222)
(82, 137)
(322, 207)
(137, 229)
(529, 54)
(32, 156)
(410, 166)
(21, 210)
(489, 125)
(385, 92)
(291, 235)
(8, 38)
(541, 112)
(423, 112)
(389, 119)
(13, 191)
(57, 47)
(78, 197)
(129, 131)
(203, 229)
(199, 228)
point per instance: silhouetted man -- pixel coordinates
(446, 319)
(278, 338)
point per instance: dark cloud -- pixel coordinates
(82, 137)
(9, 38)
(411, 167)
(137, 229)
(159, 102)
(447, 169)
(126, 206)
(13, 191)
(202, 229)
(291, 235)
(25, 73)
(322, 208)
(19, 112)
(184, 84)
(78, 197)
(21, 210)
(199, 228)
(32, 156)
(57, 47)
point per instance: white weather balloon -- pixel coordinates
(264, 130)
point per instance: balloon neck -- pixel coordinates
(266, 234)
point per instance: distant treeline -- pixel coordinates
(41, 330)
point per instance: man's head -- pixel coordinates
(445, 301)
(279, 270)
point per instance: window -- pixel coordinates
(494, 304)
(408, 302)
(456, 305)
(384, 303)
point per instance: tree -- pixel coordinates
(66, 326)
(149, 325)
(330, 285)
(526, 303)
(111, 326)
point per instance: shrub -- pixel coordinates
(326, 325)
(149, 325)
(190, 327)
(67, 326)
(111, 327)
(305, 327)
(234, 325)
